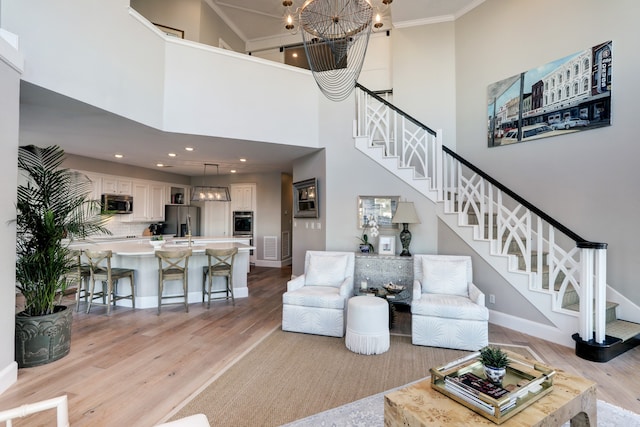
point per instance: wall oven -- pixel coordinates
(242, 223)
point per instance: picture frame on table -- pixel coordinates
(387, 245)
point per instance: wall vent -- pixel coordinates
(286, 245)
(270, 247)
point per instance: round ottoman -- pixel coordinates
(367, 325)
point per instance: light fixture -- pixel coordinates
(118, 156)
(205, 193)
(405, 215)
(335, 34)
(172, 154)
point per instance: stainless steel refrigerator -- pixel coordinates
(176, 220)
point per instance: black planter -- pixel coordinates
(43, 339)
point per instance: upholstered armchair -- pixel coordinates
(447, 309)
(315, 302)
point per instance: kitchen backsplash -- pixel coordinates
(119, 228)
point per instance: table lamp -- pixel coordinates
(405, 215)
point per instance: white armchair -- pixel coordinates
(315, 302)
(447, 309)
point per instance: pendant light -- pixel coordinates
(205, 193)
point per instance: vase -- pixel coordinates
(43, 339)
(495, 375)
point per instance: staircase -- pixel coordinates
(552, 267)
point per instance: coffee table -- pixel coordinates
(573, 399)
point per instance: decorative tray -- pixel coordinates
(464, 381)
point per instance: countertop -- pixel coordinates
(142, 247)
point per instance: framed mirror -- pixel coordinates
(380, 208)
(305, 198)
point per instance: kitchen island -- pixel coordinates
(139, 255)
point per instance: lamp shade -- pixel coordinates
(210, 194)
(405, 214)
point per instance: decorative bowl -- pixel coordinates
(393, 288)
(157, 244)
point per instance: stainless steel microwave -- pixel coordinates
(117, 203)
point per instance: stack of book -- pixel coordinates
(476, 390)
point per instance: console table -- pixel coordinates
(377, 270)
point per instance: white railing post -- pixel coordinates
(586, 294)
(600, 294)
(439, 172)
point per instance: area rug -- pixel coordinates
(289, 376)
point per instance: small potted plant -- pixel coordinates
(495, 363)
(365, 245)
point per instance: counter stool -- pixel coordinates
(220, 263)
(100, 270)
(367, 325)
(79, 275)
(173, 265)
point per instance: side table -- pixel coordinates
(572, 399)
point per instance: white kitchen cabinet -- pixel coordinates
(140, 193)
(243, 197)
(117, 186)
(96, 188)
(157, 198)
(177, 192)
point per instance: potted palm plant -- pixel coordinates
(53, 207)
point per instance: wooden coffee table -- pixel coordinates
(572, 399)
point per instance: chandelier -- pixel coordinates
(335, 34)
(205, 193)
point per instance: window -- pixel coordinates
(566, 92)
(568, 74)
(575, 88)
(559, 79)
(553, 82)
(559, 94)
(546, 85)
(553, 97)
(576, 70)
(585, 85)
(585, 65)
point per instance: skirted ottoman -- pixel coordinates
(367, 325)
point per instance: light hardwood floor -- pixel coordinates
(135, 367)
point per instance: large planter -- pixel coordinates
(43, 339)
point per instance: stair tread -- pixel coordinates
(622, 329)
(576, 306)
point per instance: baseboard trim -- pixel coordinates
(538, 330)
(273, 264)
(8, 376)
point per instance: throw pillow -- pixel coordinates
(445, 276)
(326, 270)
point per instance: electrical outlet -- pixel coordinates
(492, 299)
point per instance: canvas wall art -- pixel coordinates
(571, 94)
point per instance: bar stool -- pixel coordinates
(220, 263)
(100, 269)
(79, 275)
(173, 265)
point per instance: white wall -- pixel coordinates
(588, 181)
(10, 70)
(170, 84)
(424, 71)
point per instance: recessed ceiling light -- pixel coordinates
(118, 156)
(243, 160)
(160, 165)
(172, 154)
(232, 171)
(188, 148)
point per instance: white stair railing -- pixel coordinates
(559, 262)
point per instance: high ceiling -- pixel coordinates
(84, 130)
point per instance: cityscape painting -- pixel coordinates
(571, 94)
